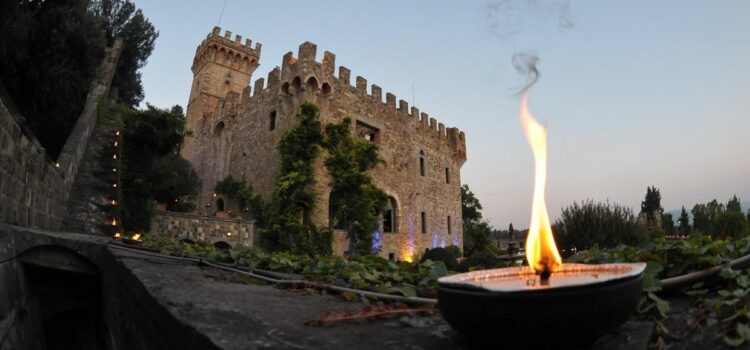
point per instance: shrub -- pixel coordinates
(481, 261)
(447, 256)
(582, 226)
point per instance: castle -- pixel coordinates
(235, 129)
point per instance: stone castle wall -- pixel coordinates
(34, 189)
(245, 147)
(196, 228)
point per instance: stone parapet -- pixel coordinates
(208, 229)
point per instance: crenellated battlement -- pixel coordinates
(226, 40)
(227, 51)
(292, 79)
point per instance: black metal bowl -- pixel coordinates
(565, 316)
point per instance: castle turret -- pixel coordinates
(221, 65)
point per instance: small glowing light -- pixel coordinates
(114, 156)
(114, 202)
(136, 236)
(117, 132)
(114, 185)
(229, 233)
(114, 170)
(175, 200)
(114, 221)
(214, 195)
(117, 235)
(57, 165)
(115, 143)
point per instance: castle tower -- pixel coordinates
(221, 65)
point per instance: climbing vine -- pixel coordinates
(357, 201)
(286, 218)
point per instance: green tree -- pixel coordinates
(734, 205)
(49, 54)
(477, 233)
(471, 209)
(667, 223)
(731, 224)
(684, 222)
(582, 226)
(701, 220)
(150, 166)
(122, 19)
(357, 201)
(651, 205)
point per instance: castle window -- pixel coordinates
(450, 230)
(389, 216)
(326, 88)
(423, 216)
(421, 162)
(219, 129)
(220, 204)
(336, 218)
(312, 84)
(272, 121)
(391, 256)
(367, 132)
(447, 175)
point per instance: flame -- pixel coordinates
(541, 250)
(137, 236)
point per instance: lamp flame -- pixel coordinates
(136, 236)
(541, 250)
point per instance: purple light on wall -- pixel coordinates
(376, 242)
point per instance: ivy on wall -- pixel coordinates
(285, 220)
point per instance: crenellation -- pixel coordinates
(433, 123)
(441, 131)
(247, 92)
(329, 62)
(403, 107)
(248, 43)
(376, 93)
(361, 85)
(414, 114)
(423, 118)
(390, 100)
(344, 75)
(288, 61)
(274, 77)
(307, 52)
(258, 86)
(238, 39)
(227, 35)
(216, 31)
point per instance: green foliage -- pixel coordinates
(731, 223)
(667, 223)
(288, 225)
(120, 18)
(713, 219)
(356, 201)
(684, 222)
(49, 53)
(449, 257)
(371, 273)
(734, 205)
(477, 237)
(151, 168)
(483, 260)
(471, 209)
(597, 224)
(651, 205)
(240, 191)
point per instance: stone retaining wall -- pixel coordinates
(199, 228)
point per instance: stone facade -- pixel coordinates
(196, 228)
(34, 188)
(236, 132)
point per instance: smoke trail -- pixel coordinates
(525, 64)
(507, 18)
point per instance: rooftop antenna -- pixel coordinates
(222, 13)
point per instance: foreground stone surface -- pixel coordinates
(235, 312)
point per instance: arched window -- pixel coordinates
(220, 204)
(390, 215)
(312, 84)
(326, 89)
(219, 129)
(421, 162)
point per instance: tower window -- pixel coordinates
(447, 175)
(424, 222)
(450, 230)
(389, 216)
(368, 132)
(421, 163)
(272, 121)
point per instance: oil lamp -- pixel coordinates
(572, 304)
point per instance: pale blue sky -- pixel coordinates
(636, 93)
